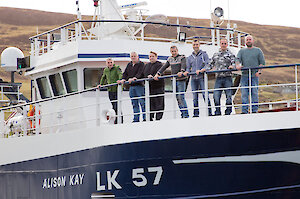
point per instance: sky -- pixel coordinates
(265, 12)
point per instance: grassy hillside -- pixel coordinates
(280, 44)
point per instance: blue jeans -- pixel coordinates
(197, 85)
(180, 87)
(223, 82)
(137, 91)
(245, 93)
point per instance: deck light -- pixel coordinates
(217, 17)
(182, 36)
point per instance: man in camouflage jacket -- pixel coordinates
(222, 60)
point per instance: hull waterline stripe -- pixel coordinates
(241, 192)
(291, 156)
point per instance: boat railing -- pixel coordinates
(45, 118)
(10, 93)
(136, 30)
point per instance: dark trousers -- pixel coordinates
(157, 103)
(113, 96)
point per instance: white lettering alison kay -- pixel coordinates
(61, 181)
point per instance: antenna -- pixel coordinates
(228, 13)
(97, 12)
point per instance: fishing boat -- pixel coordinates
(65, 144)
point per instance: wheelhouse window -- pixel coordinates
(56, 84)
(92, 77)
(44, 87)
(70, 79)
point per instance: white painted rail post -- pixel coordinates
(18, 93)
(119, 104)
(2, 121)
(63, 36)
(32, 51)
(228, 33)
(142, 32)
(98, 110)
(25, 120)
(43, 47)
(37, 119)
(76, 30)
(48, 42)
(36, 47)
(218, 37)
(296, 81)
(174, 97)
(147, 100)
(250, 92)
(206, 92)
(213, 41)
(2, 94)
(239, 41)
(79, 30)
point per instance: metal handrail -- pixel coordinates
(142, 80)
(147, 97)
(138, 22)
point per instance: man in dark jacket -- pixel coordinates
(157, 104)
(111, 74)
(134, 70)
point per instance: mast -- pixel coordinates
(78, 10)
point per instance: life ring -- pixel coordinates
(108, 116)
(31, 118)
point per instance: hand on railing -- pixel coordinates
(122, 81)
(130, 80)
(200, 71)
(156, 77)
(258, 73)
(179, 74)
(239, 67)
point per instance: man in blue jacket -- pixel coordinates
(197, 62)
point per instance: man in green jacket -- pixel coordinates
(111, 74)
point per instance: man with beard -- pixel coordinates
(250, 57)
(157, 87)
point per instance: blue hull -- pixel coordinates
(155, 169)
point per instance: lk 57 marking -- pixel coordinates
(138, 178)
